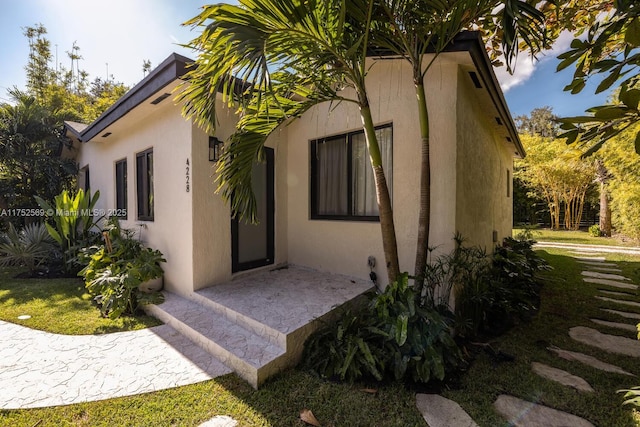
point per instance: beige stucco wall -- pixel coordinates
(169, 135)
(483, 161)
(343, 246)
(211, 216)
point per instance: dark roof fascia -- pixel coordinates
(471, 41)
(172, 68)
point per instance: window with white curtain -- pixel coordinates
(342, 181)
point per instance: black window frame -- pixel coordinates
(121, 188)
(86, 178)
(313, 209)
(144, 186)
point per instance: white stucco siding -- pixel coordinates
(211, 215)
(169, 134)
(483, 161)
(343, 246)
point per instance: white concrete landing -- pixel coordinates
(257, 324)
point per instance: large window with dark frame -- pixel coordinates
(144, 184)
(342, 181)
(121, 188)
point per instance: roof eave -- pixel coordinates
(172, 68)
(472, 42)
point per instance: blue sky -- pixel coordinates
(123, 33)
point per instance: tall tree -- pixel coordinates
(611, 49)
(541, 121)
(558, 175)
(420, 31)
(283, 50)
(320, 50)
(30, 146)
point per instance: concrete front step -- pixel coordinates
(250, 355)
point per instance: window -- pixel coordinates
(342, 182)
(144, 184)
(508, 183)
(121, 188)
(83, 180)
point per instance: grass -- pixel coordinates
(567, 301)
(277, 403)
(583, 237)
(59, 306)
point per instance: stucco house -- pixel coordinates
(316, 194)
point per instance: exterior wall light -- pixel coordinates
(215, 149)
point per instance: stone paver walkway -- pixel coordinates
(560, 376)
(521, 413)
(39, 369)
(438, 411)
(589, 360)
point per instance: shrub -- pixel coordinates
(490, 290)
(30, 247)
(116, 269)
(73, 222)
(397, 336)
(594, 230)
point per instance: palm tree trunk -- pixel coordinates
(425, 189)
(389, 242)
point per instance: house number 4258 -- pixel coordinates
(188, 184)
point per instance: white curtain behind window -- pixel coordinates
(332, 176)
(363, 184)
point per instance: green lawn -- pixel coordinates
(58, 305)
(583, 237)
(566, 302)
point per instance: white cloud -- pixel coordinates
(526, 65)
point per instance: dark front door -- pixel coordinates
(252, 245)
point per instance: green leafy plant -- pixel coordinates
(116, 269)
(73, 221)
(396, 336)
(30, 247)
(351, 348)
(594, 230)
(419, 339)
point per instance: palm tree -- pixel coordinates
(290, 55)
(419, 31)
(314, 47)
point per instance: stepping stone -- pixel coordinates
(619, 301)
(220, 421)
(599, 259)
(623, 313)
(599, 263)
(609, 276)
(521, 413)
(625, 326)
(606, 342)
(613, 283)
(438, 411)
(605, 269)
(589, 361)
(562, 377)
(615, 294)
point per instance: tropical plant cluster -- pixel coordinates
(32, 143)
(115, 270)
(405, 334)
(69, 244)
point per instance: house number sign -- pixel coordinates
(188, 184)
